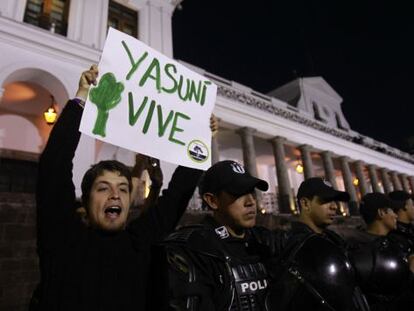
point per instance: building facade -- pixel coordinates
(294, 132)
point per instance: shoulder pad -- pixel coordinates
(403, 243)
(335, 238)
(197, 238)
(274, 241)
(182, 235)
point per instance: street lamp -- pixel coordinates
(299, 168)
(50, 114)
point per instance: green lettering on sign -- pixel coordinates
(162, 126)
(175, 128)
(156, 75)
(133, 117)
(169, 74)
(131, 59)
(149, 117)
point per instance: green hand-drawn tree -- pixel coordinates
(105, 96)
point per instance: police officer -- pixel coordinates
(218, 265)
(381, 262)
(404, 208)
(313, 271)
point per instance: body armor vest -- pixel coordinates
(382, 267)
(245, 280)
(250, 282)
(407, 231)
(319, 274)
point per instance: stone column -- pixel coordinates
(386, 183)
(411, 179)
(329, 168)
(372, 169)
(249, 155)
(306, 161)
(13, 9)
(284, 193)
(396, 182)
(349, 185)
(215, 152)
(362, 183)
(405, 183)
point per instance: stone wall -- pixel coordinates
(19, 272)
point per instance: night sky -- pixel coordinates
(363, 49)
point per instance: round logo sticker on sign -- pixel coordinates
(197, 151)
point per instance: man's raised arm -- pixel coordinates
(55, 193)
(161, 219)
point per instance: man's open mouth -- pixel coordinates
(113, 211)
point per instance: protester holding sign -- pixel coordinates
(218, 265)
(145, 98)
(102, 265)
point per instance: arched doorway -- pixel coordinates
(27, 93)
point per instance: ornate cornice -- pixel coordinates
(270, 107)
(384, 149)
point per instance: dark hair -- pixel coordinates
(97, 170)
(371, 203)
(309, 197)
(368, 214)
(399, 199)
(399, 205)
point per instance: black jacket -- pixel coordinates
(382, 269)
(203, 267)
(313, 272)
(404, 234)
(82, 268)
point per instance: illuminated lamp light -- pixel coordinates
(292, 205)
(355, 181)
(50, 114)
(299, 168)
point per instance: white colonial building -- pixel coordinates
(294, 132)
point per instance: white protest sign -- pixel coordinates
(148, 103)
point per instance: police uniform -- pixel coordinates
(404, 234)
(211, 270)
(314, 273)
(381, 264)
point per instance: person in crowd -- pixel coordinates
(381, 262)
(313, 271)
(404, 208)
(103, 264)
(218, 264)
(139, 198)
